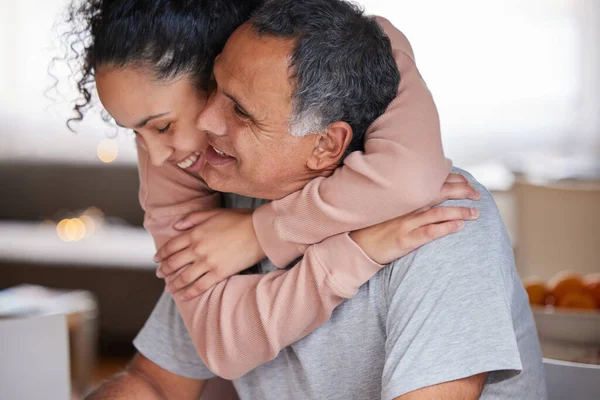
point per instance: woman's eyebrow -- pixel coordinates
(144, 121)
(150, 118)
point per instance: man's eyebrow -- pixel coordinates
(143, 122)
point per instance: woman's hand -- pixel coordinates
(216, 244)
(390, 240)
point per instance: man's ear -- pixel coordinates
(330, 146)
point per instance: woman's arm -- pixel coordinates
(402, 169)
(246, 320)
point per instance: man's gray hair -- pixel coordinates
(343, 67)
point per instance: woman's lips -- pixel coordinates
(214, 158)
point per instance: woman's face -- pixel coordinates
(161, 113)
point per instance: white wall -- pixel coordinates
(505, 73)
(32, 122)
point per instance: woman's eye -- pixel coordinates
(240, 112)
(165, 129)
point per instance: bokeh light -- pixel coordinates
(96, 217)
(61, 230)
(90, 225)
(94, 212)
(107, 150)
(71, 230)
(74, 229)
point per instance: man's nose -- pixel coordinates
(158, 151)
(212, 119)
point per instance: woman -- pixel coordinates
(165, 64)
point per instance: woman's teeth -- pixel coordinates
(188, 162)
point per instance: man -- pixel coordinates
(449, 321)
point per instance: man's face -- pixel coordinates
(246, 120)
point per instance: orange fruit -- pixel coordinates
(536, 290)
(566, 282)
(577, 300)
(592, 283)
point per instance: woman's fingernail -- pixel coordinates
(182, 225)
(460, 224)
(474, 212)
(159, 274)
(156, 259)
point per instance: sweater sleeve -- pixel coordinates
(246, 320)
(402, 169)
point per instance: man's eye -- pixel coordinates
(165, 129)
(240, 112)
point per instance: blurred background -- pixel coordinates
(517, 84)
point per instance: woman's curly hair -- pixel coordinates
(171, 38)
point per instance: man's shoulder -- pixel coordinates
(458, 303)
(480, 254)
(481, 235)
(489, 222)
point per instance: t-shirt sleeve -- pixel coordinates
(165, 341)
(449, 308)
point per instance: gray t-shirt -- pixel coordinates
(451, 309)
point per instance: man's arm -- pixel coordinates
(462, 389)
(450, 308)
(145, 380)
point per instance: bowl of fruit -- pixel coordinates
(566, 309)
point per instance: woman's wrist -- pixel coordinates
(279, 251)
(257, 247)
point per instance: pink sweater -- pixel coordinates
(246, 320)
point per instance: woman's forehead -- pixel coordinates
(131, 94)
